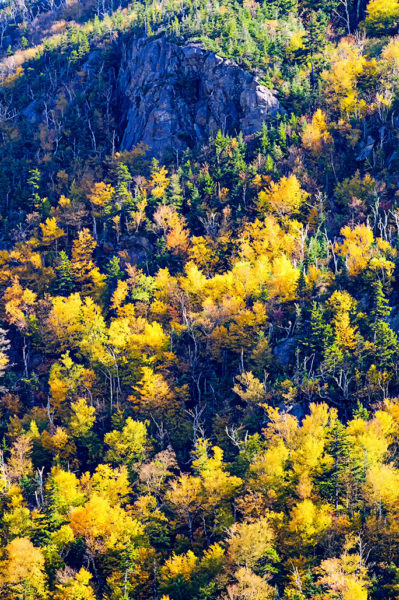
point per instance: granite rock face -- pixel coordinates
(172, 97)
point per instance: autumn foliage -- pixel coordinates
(199, 351)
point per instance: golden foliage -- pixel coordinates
(381, 14)
(22, 573)
(315, 135)
(283, 198)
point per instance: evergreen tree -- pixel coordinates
(64, 282)
(175, 191)
(316, 34)
(385, 340)
(275, 8)
(386, 343)
(114, 271)
(317, 335)
(333, 484)
(381, 308)
(122, 188)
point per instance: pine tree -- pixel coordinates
(274, 8)
(338, 447)
(175, 191)
(64, 282)
(303, 290)
(34, 182)
(114, 271)
(381, 308)
(385, 340)
(122, 188)
(316, 40)
(318, 335)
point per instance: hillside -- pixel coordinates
(199, 307)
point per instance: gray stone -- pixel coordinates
(138, 249)
(32, 112)
(284, 351)
(366, 149)
(92, 62)
(173, 97)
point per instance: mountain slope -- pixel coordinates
(198, 300)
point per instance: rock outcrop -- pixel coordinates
(172, 97)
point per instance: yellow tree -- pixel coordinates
(153, 395)
(20, 462)
(218, 486)
(269, 238)
(382, 14)
(345, 577)
(250, 586)
(347, 63)
(268, 471)
(22, 574)
(283, 198)
(315, 135)
(310, 522)
(64, 490)
(129, 445)
(249, 388)
(82, 255)
(83, 417)
(100, 196)
(308, 451)
(180, 564)
(104, 527)
(382, 487)
(51, 232)
(203, 253)
(66, 380)
(74, 585)
(173, 227)
(159, 182)
(283, 279)
(251, 544)
(17, 519)
(369, 443)
(356, 247)
(111, 484)
(19, 306)
(184, 495)
(343, 305)
(83, 270)
(119, 295)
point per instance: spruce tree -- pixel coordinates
(385, 339)
(175, 191)
(64, 281)
(320, 333)
(122, 188)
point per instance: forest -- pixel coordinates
(199, 353)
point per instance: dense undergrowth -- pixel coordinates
(199, 360)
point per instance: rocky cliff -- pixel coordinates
(173, 97)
